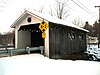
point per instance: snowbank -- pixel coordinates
(36, 64)
(95, 51)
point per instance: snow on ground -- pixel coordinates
(36, 64)
(94, 50)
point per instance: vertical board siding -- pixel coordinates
(65, 40)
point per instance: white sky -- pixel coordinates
(12, 9)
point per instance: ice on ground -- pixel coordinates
(36, 64)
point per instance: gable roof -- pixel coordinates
(45, 17)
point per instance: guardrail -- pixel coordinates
(28, 50)
(5, 46)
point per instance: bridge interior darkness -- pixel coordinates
(36, 34)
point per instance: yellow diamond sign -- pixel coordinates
(43, 26)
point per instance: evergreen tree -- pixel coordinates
(89, 28)
(96, 28)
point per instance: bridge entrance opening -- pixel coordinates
(32, 35)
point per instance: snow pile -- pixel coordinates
(36, 64)
(94, 50)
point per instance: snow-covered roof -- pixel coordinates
(46, 17)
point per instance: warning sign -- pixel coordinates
(43, 26)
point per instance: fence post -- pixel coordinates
(10, 52)
(28, 50)
(41, 48)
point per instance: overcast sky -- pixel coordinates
(11, 9)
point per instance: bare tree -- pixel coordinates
(7, 38)
(78, 22)
(2, 4)
(41, 9)
(60, 9)
(51, 11)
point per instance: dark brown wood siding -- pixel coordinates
(65, 40)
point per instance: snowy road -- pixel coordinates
(36, 64)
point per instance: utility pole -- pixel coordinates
(98, 28)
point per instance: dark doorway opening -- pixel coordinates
(36, 39)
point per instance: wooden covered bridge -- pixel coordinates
(61, 37)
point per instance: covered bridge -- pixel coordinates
(61, 36)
